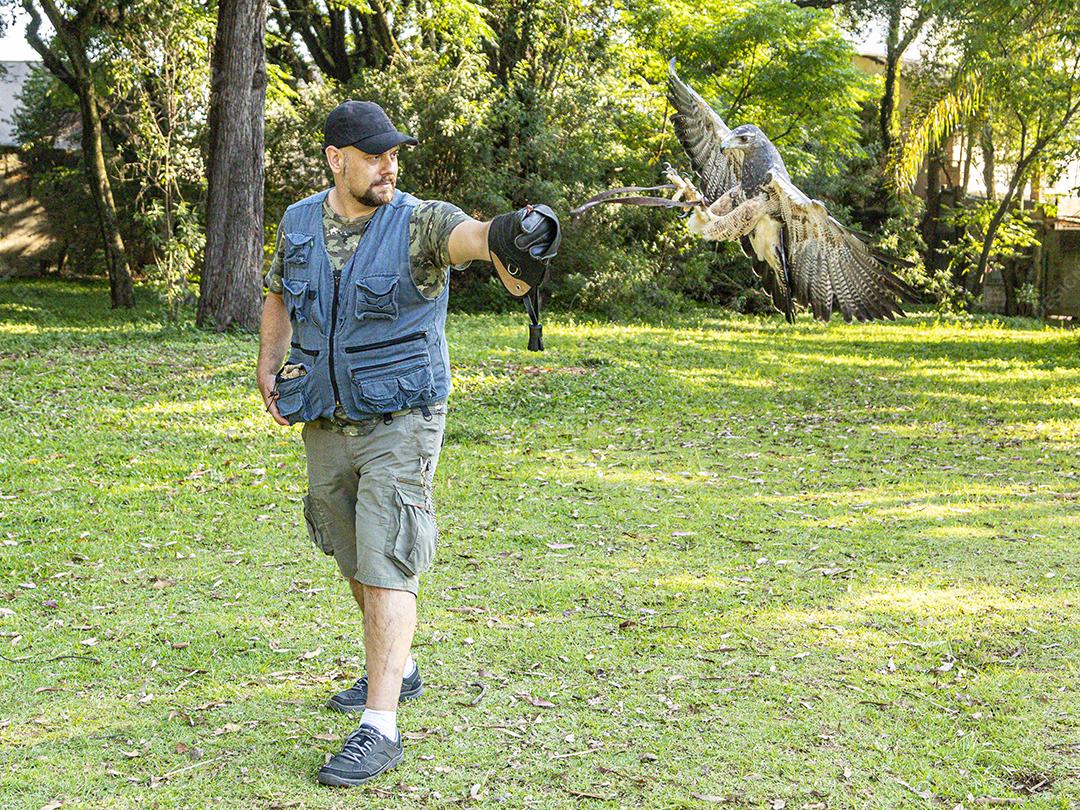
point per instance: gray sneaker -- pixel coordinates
(354, 698)
(365, 755)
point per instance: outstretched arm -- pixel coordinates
(469, 242)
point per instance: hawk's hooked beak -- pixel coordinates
(729, 143)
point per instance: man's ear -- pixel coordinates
(335, 159)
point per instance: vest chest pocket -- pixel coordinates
(297, 249)
(377, 298)
(295, 293)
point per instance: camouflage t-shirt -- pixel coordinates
(429, 244)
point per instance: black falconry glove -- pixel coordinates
(522, 245)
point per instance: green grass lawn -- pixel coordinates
(712, 560)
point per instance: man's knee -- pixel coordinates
(357, 589)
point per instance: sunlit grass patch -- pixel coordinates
(821, 564)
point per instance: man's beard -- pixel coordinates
(373, 196)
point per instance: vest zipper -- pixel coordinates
(382, 344)
(333, 328)
(391, 362)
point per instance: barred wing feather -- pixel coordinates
(701, 131)
(829, 265)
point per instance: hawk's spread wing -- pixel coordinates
(829, 265)
(701, 131)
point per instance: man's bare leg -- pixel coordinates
(389, 625)
(357, 592)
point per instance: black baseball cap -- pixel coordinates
(363, 124)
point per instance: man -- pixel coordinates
(357, 290)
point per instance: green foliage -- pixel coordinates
(789, 70)
(512, 103)
(157, 64)
(1012, 71)
(1016, 236)
(153, 74)
(565, 102)
(946, 107)
(177, 247)
(157, 70)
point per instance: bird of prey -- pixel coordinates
(798, 250)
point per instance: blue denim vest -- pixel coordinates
(369, 340)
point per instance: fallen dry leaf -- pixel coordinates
(711, 799)
(922, 794)
(539, 703)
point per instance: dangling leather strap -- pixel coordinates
(536, 329)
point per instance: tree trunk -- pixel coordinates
(1009, 277)
(121, 288)
(986, 144)
(893, 55)
(969, 144)
(231, 285)
(71, 34)
(931, 225)
(975, 281)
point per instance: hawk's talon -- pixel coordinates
(684, 189)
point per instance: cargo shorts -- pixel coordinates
(369, 501)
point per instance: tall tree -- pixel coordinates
(1019, 67)
(230, 290)
(903, 21)
(67, 56)
(158, 65)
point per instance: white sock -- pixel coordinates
(410, 667)
(383, 722)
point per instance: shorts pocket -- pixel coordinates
(315, 532)
(413, 535)
(377, 298)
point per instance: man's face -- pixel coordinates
(370, 179)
